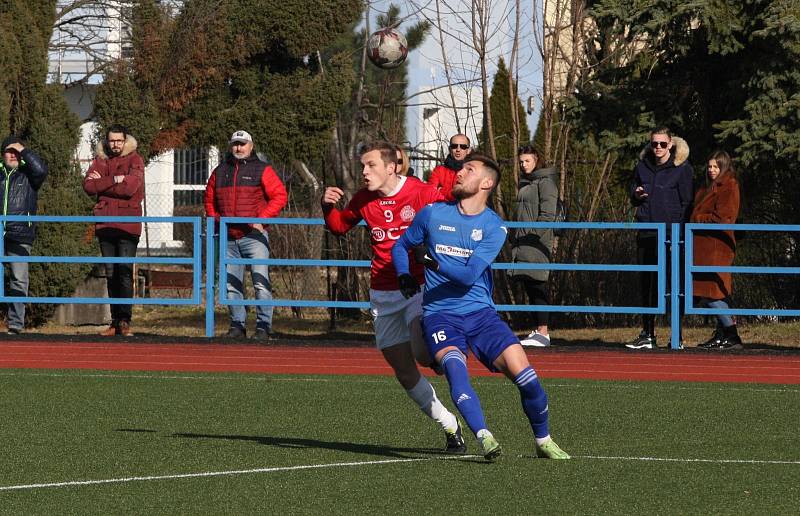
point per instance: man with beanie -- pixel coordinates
(23, 173)
(443, 177)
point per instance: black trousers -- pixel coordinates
(647, 254)
(537, 293)
(119, 276)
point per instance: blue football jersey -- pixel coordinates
(465, 247)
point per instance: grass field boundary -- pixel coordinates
(206, 474)
(708, 461)
(202, 474)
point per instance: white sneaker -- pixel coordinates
(536, 340)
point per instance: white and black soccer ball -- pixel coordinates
(387, 48)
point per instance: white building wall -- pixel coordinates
(439, 119)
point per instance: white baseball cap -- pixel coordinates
(241, 137)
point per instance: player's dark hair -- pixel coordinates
(488, 164)
(388, 151)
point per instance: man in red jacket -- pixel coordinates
(116, 178)
(245, 186)
(443, 177)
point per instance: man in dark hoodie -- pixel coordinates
(23, 173)
(662, 191)
(443, 177)
(536, 202)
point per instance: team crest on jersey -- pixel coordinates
(378, 234)
(477, 235)
(407, 213)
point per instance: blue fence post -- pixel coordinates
(675, 316)
(210, 274)
(3, 267)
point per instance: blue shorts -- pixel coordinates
(483, 332)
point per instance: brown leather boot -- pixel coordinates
(110, 331)
(124, 329)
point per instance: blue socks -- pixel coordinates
(455, 368)
(534, 401)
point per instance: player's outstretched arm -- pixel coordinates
(337, 221)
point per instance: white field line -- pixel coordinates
(710, 461)
(269, 377)
(206, 474)
(226, 473)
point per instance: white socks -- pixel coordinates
(425, 397)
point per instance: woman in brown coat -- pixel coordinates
(716, 202)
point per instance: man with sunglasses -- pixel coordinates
(443, 176)
(662, 191)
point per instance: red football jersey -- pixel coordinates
(387, 218)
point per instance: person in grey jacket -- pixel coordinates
(536, 202)
(22, 173)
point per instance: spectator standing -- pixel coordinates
(245, 186)
(443, 176)
(717, 202)
(661, 192)
(116, 179)
(23, 174)
(536, 202)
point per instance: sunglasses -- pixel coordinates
(462, 146)
(656, 145)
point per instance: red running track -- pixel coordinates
(782, 368)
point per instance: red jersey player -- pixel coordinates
(388, 203)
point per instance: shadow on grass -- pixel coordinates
(295, 442)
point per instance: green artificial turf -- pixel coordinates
(76, 426)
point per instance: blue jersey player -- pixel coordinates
(462, 239)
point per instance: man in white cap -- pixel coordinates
(244, 186)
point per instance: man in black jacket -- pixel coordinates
(21, 175)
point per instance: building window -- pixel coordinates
(188, 198)
(191, 166)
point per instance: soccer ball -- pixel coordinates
(387, 48)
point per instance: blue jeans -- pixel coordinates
(17, 283)
(253, 245)
(723, 320)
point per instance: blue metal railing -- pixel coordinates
(691, 268)
(213, 254)
(659, 268)
(196, 261)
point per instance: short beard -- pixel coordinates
(459, 193)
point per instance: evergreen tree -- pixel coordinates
(39, 114)
(249, 64)
(503, 125)
(720, 73)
